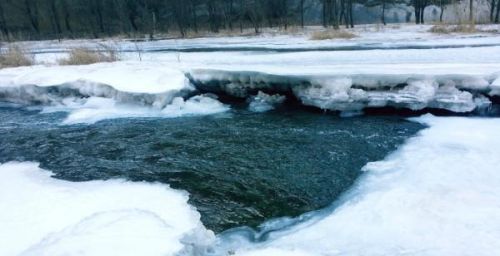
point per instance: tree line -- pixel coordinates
(45, 19)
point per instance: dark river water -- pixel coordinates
(240, 168)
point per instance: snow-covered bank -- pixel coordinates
(373, 36)
(437, 195)
(125, 82)
(133, 77)
(45, 216)
(108, 90)
(142, 89)
(408, 67)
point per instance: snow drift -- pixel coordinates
(45, 216)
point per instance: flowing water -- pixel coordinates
(240, 168)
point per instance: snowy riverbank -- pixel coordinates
(402, 67)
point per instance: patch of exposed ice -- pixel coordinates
(353, 93)
(94, 109)
(263, 102)
(495, 87)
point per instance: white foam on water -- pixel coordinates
(439, 194)
(44, 216)
(95, 109)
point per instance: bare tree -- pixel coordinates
(4, 29)
(498, 12)
(31, 11)
(471, 11)
(55, 18)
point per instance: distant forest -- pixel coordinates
(56, 19)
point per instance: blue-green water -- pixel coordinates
(240, 168)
